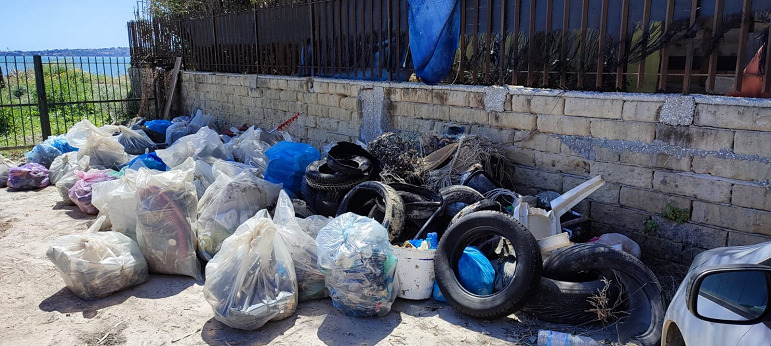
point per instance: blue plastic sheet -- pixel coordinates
(149, 160)
(434, 33)
(287, 163)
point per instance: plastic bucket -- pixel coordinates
(415, 271)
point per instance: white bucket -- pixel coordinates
(552, 243)
(415, 271)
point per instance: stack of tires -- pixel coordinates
(329, 179)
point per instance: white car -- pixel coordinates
(723, 299)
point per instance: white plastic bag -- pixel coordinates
(247, 148)
(252, 280)
(98, 144)
(96, 264)
(203, 145)
(166, 209)
(202, 174)
(302, 247)
(232, 169)
(68, 178)
(116, 199)
(5, 165)
(66, 164)
(226, 204)
(358, 263)
(312, 224)
(135, 142)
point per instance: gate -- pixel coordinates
(43, 96)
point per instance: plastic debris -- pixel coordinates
(80, 193)
(27, 177)
(287, 164)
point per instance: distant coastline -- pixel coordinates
(101, 52)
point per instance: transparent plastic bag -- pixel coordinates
(116, 199)
(135, 142)
(27, 177)
(66, 164)
(312, 224)
(247, 148)
(5, 166)
(252, 280)
(302, 247)
(226, 204)
(232, 169)
(200, 120)
(203, 176)
(43, 154)
(97, 264)
(359, 265)
(203, 145)
(166, 210)
(177, 130)
(98, 144)
(80, 193)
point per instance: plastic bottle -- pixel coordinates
(554, 338)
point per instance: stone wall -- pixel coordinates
(709, 157)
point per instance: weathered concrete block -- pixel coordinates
(288, 95)
(495, 98)
(593, 107)
(690, 234)
(697, 186)
(608, 193)
(564, 125)
(520, 156)
(394, 94)
(651, 201)
(319, 111)
(678, 110)
(403, 109)
(340, 114)
(507, 120)
(657, 160)
(641, 111)
(493, 134)
(752, 196)
(752, 143)
(618, 216)
(320, 87)
(744, 118)
(538, 141)
(476, 100)
(328, 124)
(554, 105)
(741, 219)
(741, 238)
(469, 116)
(734, 169)
(537, 178)
(623, 130)
(623, 174)
(415, 125)
(350, 103)
(329, 100)
(560, 163)
(435, 112)
(417, 95)
(695, 137)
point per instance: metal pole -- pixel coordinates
(42, 102)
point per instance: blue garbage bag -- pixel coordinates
(149, 160)
(43, 154)
(287, 162)
(434, 33)
(159, 126)
(59, 142)
(476, 273)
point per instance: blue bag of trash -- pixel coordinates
(43, 154)
(476, 272)
(434, 33)
(59, 142)
(359, 265)
(287, 162)
(158, 125)
(149, 161)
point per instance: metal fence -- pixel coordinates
(647, 45)
(43, 96)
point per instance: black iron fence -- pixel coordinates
(43, 96)
(647, 45)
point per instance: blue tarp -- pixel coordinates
(434, 35)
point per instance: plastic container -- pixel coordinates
(415, 271)
(552, 243)
(554, 338)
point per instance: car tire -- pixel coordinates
(527, 273)
(585, 260)
(569, 302)
(323, 178)
(458, 194)
(484, 204)
(308, 194)
(357, 199)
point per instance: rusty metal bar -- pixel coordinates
(475, 45)
(362, 61)
(339, 33)
(743, 34)
(582, 42)
(530, 44)
(622, 45)
(689, 50)
(717, 21)
(390, 40)
(664, 51)
(601, 44)
(515, 70)
(380, 41)
(547, 41)
(462, 59)
(564, 44)
(644, 44)
(488, 47)
(502, 45)
(399, 32)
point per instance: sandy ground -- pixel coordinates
(38, 309)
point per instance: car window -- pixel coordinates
(739, 292)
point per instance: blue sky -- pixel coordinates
(53, 24)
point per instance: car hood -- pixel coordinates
(748, 254)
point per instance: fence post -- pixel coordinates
(42, 102)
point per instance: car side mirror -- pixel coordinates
(732, 294)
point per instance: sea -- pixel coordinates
(114, 66)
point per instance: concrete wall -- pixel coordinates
(710, 156)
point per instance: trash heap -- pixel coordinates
(271, 223)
